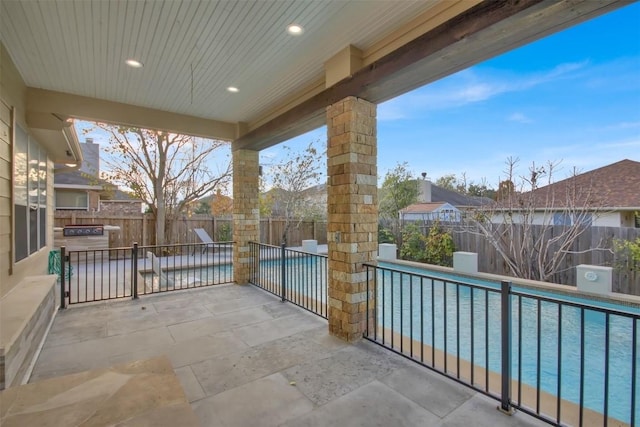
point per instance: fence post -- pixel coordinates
(63, 278)
(283, 270)
(134, 271)
(505, 321)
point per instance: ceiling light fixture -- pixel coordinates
(134, 63)
(233, 89)
(295, 29)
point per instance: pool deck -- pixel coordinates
(243, 358)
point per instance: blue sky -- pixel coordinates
(573, 98)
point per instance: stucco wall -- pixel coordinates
(610, 219)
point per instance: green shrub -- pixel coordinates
(413, 244)
(435, 248)
(385, 235)
(439, 246)
(627, 254)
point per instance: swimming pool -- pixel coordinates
(186, 277)
(447, 313)
(461, 317)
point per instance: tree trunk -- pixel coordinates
(160, 223)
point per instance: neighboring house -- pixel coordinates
(608, 196)
(437, 203)
(440, 211)
(82, 189)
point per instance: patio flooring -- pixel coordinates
(246, 359)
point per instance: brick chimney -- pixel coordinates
(424, 189)
(91, 154)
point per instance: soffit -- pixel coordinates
(191, 50)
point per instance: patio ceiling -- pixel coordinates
(71, 55)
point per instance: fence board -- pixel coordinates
(490, 261)
(133, 228)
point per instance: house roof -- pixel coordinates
(422, 207)
(613, 186)
(439, 194)
(81, 180)
(76, 178)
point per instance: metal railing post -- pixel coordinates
(284, 272)
(134, 271)
(63, 278)
(505, 329)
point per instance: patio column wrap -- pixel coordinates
(246, 210)
(352, 213)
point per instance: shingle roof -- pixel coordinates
(439, 194)
(615, 185)
(76, 178)
(422, 207)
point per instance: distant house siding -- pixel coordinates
(609, 219)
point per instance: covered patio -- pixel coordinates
(243, 358)
(238, 72)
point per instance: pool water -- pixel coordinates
(417, 313)
(560, 333)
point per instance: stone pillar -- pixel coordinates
(246, 211)
(352, 213)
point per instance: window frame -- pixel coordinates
(29, 233)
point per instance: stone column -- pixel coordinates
(352, 213)
(246, 211)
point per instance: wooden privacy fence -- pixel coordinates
(489, 261)
(141, 228)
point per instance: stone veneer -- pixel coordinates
(25, 314)
(246, 211)
(352, 213)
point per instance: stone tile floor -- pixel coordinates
(246, 359)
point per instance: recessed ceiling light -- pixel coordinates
(134, 63)
(295, 29)
(233, 89)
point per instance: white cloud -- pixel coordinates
(471, 86)
(391, 110)
(519, 118)
(623, 125)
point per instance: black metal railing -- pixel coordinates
(561, 360)
(103, 274)
(293, 275)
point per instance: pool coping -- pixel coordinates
(568, 290)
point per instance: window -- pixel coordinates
(564, 218)
(72, 200)
(583, 218)
(561, 218)
(30, 195)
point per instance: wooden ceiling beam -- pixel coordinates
(481, 32)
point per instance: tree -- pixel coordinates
(165, 170)
(221, 205)
(627, 254)
(298, 172)
(399, 190)
(464, 186)
(522, 228)
(203, 208)
(448, 182)
(435, 248)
